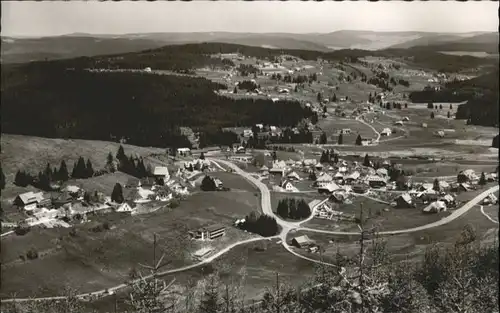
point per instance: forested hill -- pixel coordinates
(480, 92)
(146, 109)
(190, 56)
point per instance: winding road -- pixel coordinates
(286, 228)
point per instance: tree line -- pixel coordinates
(262, 224)
(293, 209)
(49, 178)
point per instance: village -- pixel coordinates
(365, 156)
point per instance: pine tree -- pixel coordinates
(79, 170)
(202, 156)
(117, 194)
(312, 176)
(406, 105)
(120, 155)
(451, 106)
(482, 179)
(358, 140)
(341, 139)
(322, 138)
(20, 180)
(334, 98)
(48, 173)
(141, 169)
(323, 158)
(435, 186)
(208, 184)
(335, 158)
(110, 163)
(432, 114)
(235, 90)
(440, 106)
(89, 170)
(366, 161)
(449, 114)
(63, 174)
(2, 179)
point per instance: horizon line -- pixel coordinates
(244, 32)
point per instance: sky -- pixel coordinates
(48, 18)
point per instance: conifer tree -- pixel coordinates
(432, 115)
(63, 171)
(358, 140)
(120, 155)
(117, 194)
(2, 179)
(335, 158)
(89, 170)
(482, 179)
(202, 156)
(435, 185)
(341, 139)
(366, 161)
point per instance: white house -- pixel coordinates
(183, 151)
(161, 173)
(126, 206)
(288, 186)
(247, 133)
(386, 132)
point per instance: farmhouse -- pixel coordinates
(28, 200)
(345, 131)
(183, 151)
(328, 188)
(406, 119)
(467, 176)
(376, 181)
(209, 232)
(435, 207)
(324, 180)
(264, 170)
(302, 241)
(386, 132)
(398, 123)
(382, 172)
(161, 174)
(351, 178)
(404, 201)
(448, 200)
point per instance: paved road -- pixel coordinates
(487, 216)
(359, 119)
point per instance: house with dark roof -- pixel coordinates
(302, 241)
(28, 200)
(404, 201)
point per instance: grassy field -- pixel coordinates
(33, 153)
(332, 125)
(245, 266)
(98, 260)
(412, 244)
(234, 181)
